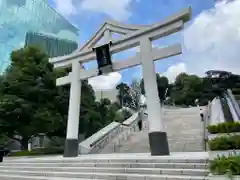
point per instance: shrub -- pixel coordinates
(236, 91)
(225, 143)
(228, 127)
(224, 165)
(38, 152)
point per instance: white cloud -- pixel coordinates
(174, 71)
(105, 82)
(212, 41)
(65, 7)
(116, 9)
(119, 10)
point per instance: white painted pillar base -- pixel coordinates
(157, 137)
(71, 144)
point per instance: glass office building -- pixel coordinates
(51, 45)
(18, 18)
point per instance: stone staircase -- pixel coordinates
(184, 129)
(190, 166)
(132, 160)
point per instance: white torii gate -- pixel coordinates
(133, 36)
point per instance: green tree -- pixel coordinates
(28, 91)
(135, 92)
(124, 95)
(186, 89)
(30, 102)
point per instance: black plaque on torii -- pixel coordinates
(104, 59)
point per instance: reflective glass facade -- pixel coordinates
(51, 45)
(17, 17)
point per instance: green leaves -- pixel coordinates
(225, 143)
(224, 165)
(30, 102)
(186, 89)
(124, 95)
(27, 103)
(227, 127)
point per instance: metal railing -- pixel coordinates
(234, 104)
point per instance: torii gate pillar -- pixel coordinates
(157, 136)
(71, 142)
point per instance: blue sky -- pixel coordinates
(88, 15)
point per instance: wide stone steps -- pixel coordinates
(87, 170)
(107, 165)
(18, 177)
(184, 131)
(118, 167)
(67, 176)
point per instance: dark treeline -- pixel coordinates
(188, 88)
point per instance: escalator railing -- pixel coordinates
(233, 105)
(226, 108)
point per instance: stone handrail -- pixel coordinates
(103, 137)
(132, 120)
(128, 127)
(98, 140)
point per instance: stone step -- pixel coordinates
(123, 165)
(157, 159)
(90, 175)
(156, 171)
(19, 177)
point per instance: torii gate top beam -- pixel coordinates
(113, 26)
(172, 24)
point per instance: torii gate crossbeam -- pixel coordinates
(143, 37)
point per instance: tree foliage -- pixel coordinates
(186, 89)
(136, 95)
(124, 95)
(30, 102)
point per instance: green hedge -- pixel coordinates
(225, 143)
(38, 152)
(236, 91)
(224, 165)
(228, 127)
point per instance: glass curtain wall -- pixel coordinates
(18, 17)
(51, 45)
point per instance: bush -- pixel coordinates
(236, 91)
(38, 152)
(224, 165)
(225, 143)
(228, 127)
